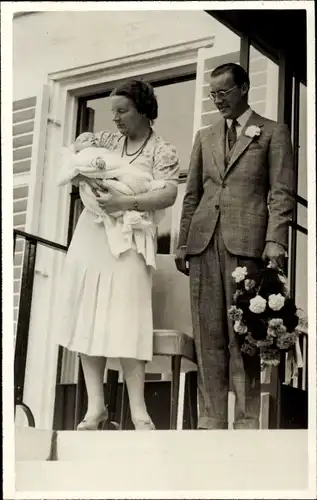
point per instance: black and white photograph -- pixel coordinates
(176, 295)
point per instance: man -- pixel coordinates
(236, 212)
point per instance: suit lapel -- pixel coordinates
(244, 141)
(217, 144)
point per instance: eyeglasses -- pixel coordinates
(221, 93)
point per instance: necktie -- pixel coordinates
(232, 134)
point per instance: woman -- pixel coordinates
(106, 301)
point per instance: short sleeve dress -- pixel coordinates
(105, 306)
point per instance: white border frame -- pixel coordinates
(6, 113)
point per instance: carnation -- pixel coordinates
(276, 327)
(237, 294)
(248, 349)
(257, 304)
(240, 328)
(239, 274)
(235, 313)
(286, 341)
(275, 322)
(276, 302)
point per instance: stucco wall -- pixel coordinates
(47, 42)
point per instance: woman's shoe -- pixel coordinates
(93, 423)
(144, 425)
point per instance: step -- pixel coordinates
(32, 444)
(130, 461)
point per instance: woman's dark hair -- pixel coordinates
(239, 75)
(141, 94)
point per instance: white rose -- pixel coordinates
(276, 302)
(240, 327)
(239, 274)
(257, 305)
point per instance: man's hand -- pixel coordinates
(181, 261)
(275, 253)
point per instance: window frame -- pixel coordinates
(82, 125)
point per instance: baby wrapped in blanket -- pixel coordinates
(124, 229)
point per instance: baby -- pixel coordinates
(98, 163)
(92, 162)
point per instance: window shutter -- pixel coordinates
(29, 131)
(263, 85)
(263, 93)
(206, 113)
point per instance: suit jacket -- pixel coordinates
(253, 196)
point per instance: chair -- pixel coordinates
(173, 345)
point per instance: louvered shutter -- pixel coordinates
(261, 73)
(28, 132)
(206, 113)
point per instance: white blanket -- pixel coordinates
(125, 230)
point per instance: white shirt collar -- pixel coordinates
(242, 120)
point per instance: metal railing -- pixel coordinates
(24, 312)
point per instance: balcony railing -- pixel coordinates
(22, 339)
(23, 322)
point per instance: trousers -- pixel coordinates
(219, 358)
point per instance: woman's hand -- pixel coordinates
(96, 185)
(113, 200)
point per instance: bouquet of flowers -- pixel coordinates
(264, 315)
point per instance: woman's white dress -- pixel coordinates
(105, 304)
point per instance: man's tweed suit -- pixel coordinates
(233, 205)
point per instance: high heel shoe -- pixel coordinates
(93, 423)
(144, 425)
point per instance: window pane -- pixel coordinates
(302, 156)
(302, 215)
(176, 117)
(103, 115)
(301, 272)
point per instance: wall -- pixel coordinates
(47, 42)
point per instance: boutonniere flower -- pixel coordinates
(253, 131)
